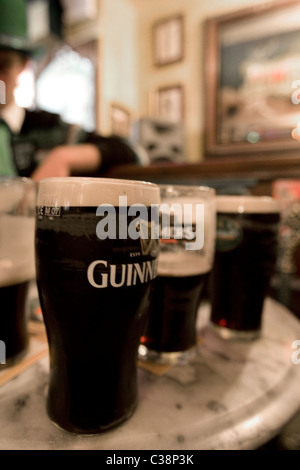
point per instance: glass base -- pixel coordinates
(72, 429)
(231, 334)
(161, 357)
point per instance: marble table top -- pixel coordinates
(232, 395)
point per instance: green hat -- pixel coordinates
(13, 26)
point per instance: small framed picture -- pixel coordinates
(168, 40)
(168, 103)
(120, 120)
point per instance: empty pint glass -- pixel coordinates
(17, 269)
(187, 217)
(245, 258)
(96, 257)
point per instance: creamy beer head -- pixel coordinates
(247, 204)
(17, 207)
(85, 192)
(10, 195)
(192, 211)
(16, 249)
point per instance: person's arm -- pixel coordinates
(74, 150)
(69, 159)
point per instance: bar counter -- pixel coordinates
(232, 395)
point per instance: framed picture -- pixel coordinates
(252, 79)
(168, 103)
(120, 120)
(168, 40)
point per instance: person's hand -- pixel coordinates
(64, 160)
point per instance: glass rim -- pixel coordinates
(247, 204)
(17, 179)
(203, 189)
(93, 191)
(97, 180)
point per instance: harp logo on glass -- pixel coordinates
(2, 352)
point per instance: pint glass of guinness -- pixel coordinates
(17, 269)
(188, 220)
(245, 258)
(96, 257)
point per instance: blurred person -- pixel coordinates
(39, 144)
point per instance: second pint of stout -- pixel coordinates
(170, 333)
(94, 296)
(17, 269)
(245, 258)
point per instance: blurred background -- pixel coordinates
(115, 65)
(207, 84)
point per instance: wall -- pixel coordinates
(118, 58)
(127, 74)
(189, 72)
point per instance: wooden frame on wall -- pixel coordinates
(168, 41)
(252, 59)
(168, 103)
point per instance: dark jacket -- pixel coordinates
(42, 131)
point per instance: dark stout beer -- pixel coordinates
(246, 252)
(13, 321)
(94, 296)
(173, 313)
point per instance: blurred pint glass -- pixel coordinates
(245, 259)
(95, 261)
(17, 210)
(185, 260)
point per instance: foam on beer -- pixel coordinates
(16, 249)
(247, 204)
(91, 192)
(184, 263)
(9, 196)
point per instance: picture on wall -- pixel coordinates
(168, 103)
(168, 40)
(252, 64)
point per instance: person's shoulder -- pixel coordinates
(40, 119)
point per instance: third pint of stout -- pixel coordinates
(94, 283)
(170, 333)
(17, 208)
(245, 258)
